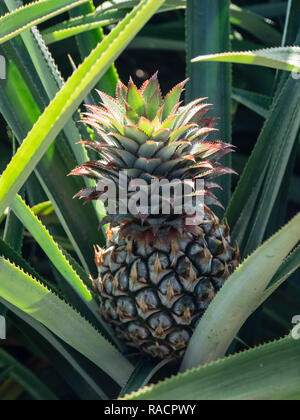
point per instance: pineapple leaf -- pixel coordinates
(136, 134)
(32, 81)
(135, 99)
(146, 126)
(268, 163)
(110, 12)
(32, 14)
(239, 297)
(246, 376)
(72, 366)
(212, 80)
(154, 105)
(287, 268)
(23, 376)
(58, 259)
(87, 42)
(281, 58)
(150, 87)
(10, 254)
(255, 101)
(256, 25)
(142, 374)
(67, 100)
(31, 297)
(172, 99)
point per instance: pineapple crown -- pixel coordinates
(151, 138)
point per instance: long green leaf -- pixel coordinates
(87, 42)
(30, 296)
(287, 268)
(84, 299)
(281, 58)
(239, 298)
(44, 239)
(142, 374)
(269, 372)
(69, 98)
(30, 382)
(110, 12)
(70, 364)
(211, 80)
(255, 101)
(32, 81)
(23, 18)
(255, 25)
(10, 254)
(268, 10)
(283, 120)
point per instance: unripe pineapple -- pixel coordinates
(159, 273)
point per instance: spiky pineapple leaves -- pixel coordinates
(269, 372)
(213, 80)
(32, 14)
(282, 58)
(73, 367)
(73, 286)
(265, 169)
(33, 298)
(68, 99)
(112, 11)
(239, 298)
(32, 80)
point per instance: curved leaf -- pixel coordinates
(30, 296)
(32, 14)
(269, 372)
(239, 297)
(69, 98)
(282, 58)
(29, 381)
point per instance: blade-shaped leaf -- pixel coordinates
(84, 301)
(256, 25)
(142, 374)
(247, 376)
(239, 298)
(255, 101)
(283, 120)
(212, 80)
(27, 294)
(29, 381)
(88, 41)
(111, 12)
(32, 81)
(282, 58)
(68, 99)
(32, 14)
(70, 364)
(287, 268)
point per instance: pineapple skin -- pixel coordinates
(154, 292)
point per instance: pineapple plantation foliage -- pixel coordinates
(149, 305)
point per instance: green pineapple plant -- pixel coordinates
(179, 294)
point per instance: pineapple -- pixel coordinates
(158, 273)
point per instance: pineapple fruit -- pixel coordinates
(158, 274)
